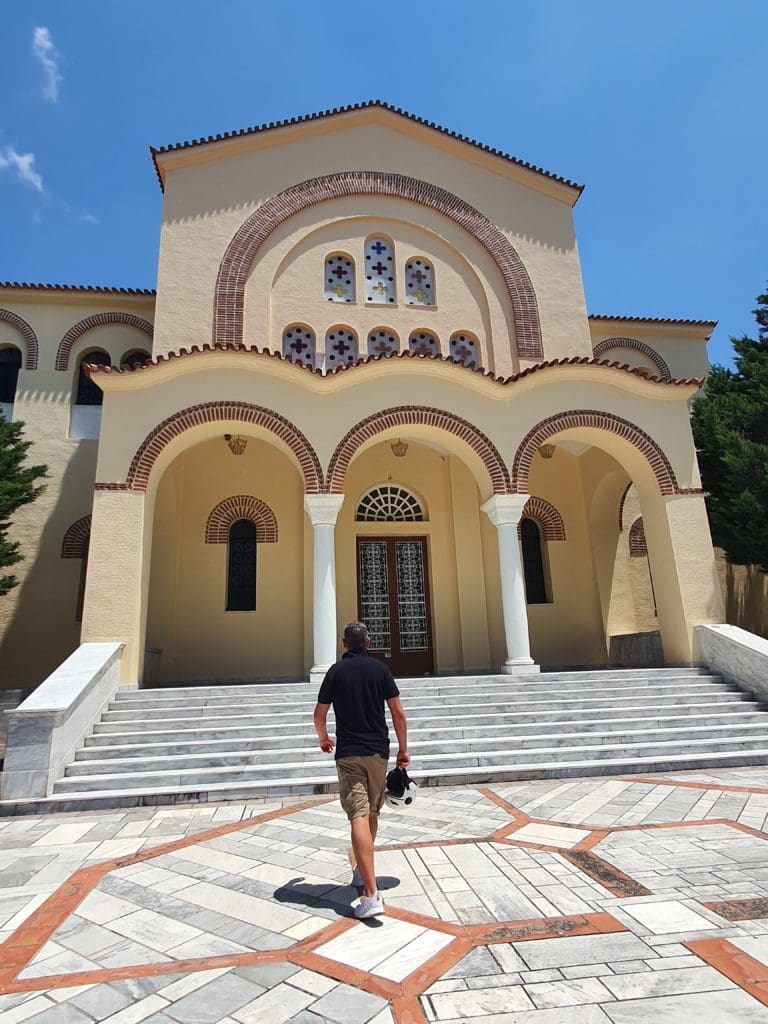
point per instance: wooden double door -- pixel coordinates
(393, 601)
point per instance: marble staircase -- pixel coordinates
(219, 742)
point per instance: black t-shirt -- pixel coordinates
(358, 686)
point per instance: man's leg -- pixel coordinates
(363, 834)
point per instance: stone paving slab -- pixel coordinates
(579, 901)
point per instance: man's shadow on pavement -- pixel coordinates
(330, 896)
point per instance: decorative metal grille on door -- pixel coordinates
(411, 600)
(374, 594)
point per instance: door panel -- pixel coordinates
(393, 592)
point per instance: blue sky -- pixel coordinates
(657, 107)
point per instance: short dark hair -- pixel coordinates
(355, 634)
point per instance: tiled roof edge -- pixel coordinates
(347, 367)
(94, 289)
(348, 108)
(653, 320)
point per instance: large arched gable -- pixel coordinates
(636, 346)
(242, 250)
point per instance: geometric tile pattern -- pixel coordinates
(549, 902)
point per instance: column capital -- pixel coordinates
(323, 509)
(505, 509)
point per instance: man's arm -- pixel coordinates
(319, 717)
(401, 731)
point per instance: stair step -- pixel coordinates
(264, 740)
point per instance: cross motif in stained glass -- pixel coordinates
(423, 343)
(340, 278)
(299, 345)
(382, 343)
(340, 346)
(419, 282)
(379, 271)
(464, 349)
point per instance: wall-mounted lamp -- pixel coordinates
(399, 448)
(547, 451)
(236, 444)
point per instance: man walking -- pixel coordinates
(358, 686)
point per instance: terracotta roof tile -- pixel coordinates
(365, 105)
(92, 288)
(653, 320)
(350, 367)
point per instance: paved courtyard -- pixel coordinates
(610, 900)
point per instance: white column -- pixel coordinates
(322, 510)
(505, 512)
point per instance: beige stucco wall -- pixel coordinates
(37, 619)
(207, 201)
(682, 347)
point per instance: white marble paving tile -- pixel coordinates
(242, 906)
(276, 1006)
(478, 1003)
(753, 945)
(570, 992)
(316, 984)
(138, 1011)
(154, 930)
(668, 917)
(364, 947)
(666, 983)
(410, 957)
(733, 1007)
(23, 1011)
(550, 835)
(66, 834)
(190, 983)
(102, 908)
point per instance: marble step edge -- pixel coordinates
(736, 703)
(457, 680)
(89, 767)
(261, 710)
(555, 754)
(463, 694)
(315, 785)
(735, 718)
(413, 687)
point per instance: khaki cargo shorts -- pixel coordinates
(361, 784)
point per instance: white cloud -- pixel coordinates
(23, 164)
(88, 218)
(43, 48)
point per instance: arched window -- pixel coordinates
(424, 343)
(340, 347)
(382, 341)
(533, 563)
(76, 542)
(136, 357)
(241, 575)
(465, 349)
(299, 344)
(379, 270)
(419, 282)
(10, 364)
(389, 503)
(89, 393)
(339, 281)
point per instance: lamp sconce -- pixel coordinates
(236, 444)
(547, 451)
(399, 448)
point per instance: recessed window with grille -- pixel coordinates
(135, 358)
(533, 562)
(340, 346)
(424, 343)
(10, 364)
(419, 282)
(89, 393)
(299, 344)
(382, 341)
(379, 270)
(241, 575)
(388, 503)
(464, 348)
(339, 281)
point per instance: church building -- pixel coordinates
(366, 387)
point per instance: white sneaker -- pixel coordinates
(369, 906)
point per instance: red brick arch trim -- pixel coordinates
(638, 346)
(242, 250)
(575, 418)
(241, 506)
(224, 412)
(77, 538)
(546, 517)
(637, 544)
(29, 336)
(410, 415)
(97, 320)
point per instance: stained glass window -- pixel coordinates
(424, 343)
(465, 349)
(388, 503)
(379, 270)
(10, 364)
(533, 562)
(340, 347)
(419, 282)
(241, 575)
(299, 344)
(339, 281)
(89, 393)
(382, 341)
